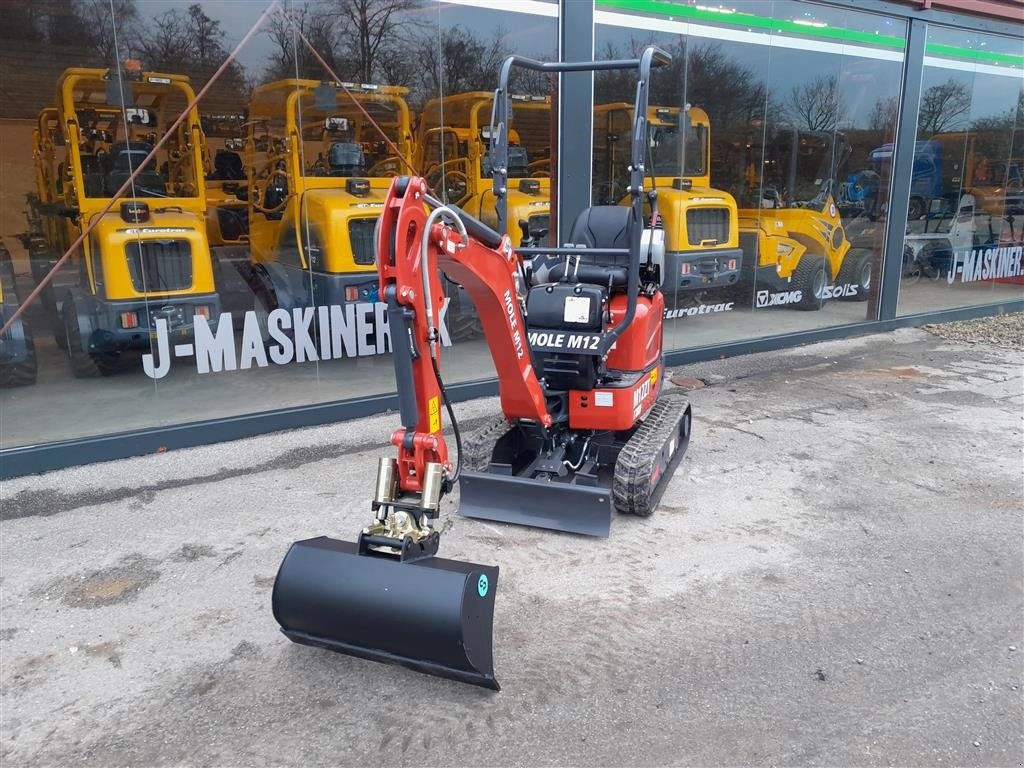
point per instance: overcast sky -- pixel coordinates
(523, 33)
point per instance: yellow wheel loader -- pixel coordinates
(227, 213)
(702, 249)
(145, 268)
(318, 170)
(453, 154)
(797, 253)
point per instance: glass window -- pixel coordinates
(766, 136)
(963, 239)
(236, 271)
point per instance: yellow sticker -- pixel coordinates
(654, 376)
(435, 414)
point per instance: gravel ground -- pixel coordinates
(832, 578)
(1001, 330)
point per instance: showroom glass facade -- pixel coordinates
(243, 283)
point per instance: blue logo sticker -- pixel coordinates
(482, 585)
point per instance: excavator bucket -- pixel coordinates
(432, 615)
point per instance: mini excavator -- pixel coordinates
(585, 433)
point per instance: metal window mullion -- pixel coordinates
(575, 114)
(902, 169)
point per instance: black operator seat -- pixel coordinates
(125, 156)
(227, 166)
(600, 226)
(346, 158)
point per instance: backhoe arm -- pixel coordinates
(417, 237)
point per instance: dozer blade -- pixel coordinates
(542, 504)
(432, 615)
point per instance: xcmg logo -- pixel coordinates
(767, 299)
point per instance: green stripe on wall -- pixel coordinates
(749, 20)
(953, 52)
(668, 8)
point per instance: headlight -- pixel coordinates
(783, 249)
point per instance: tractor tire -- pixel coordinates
(84, 365)
(810, 278)
(856, 270)
(478, 445)
(262, 305)
(462, 320)
(24, 373)
(464, 326)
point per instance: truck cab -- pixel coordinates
(318, 172)
(146, 260)
(452, 154)
(701, 235)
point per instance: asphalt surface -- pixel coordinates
(834, 577)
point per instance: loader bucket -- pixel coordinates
(557, 506)
(432, 615)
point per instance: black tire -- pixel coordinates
(856, 270)
(810, 278)
(462, 320)
(463, 326)
(478, 445)
(83, 364)
(24, 373)
(262, 305)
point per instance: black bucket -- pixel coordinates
(538, 503)
(432, 615)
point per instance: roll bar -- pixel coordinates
(501, 119)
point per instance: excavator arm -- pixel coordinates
(413, 245)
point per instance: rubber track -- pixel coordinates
(478, 446)
(631, 485)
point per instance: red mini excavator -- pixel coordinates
(579, 362)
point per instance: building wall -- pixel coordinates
(802, 114)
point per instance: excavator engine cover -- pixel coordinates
(432, 615)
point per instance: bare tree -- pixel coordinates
(291, 55)
(702, 75)
(943, 107)
(815, 106)
(207, 36)
(165, 44)
(103, 27)
(363, 28)
(883, 114)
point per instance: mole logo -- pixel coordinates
(302, 335)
